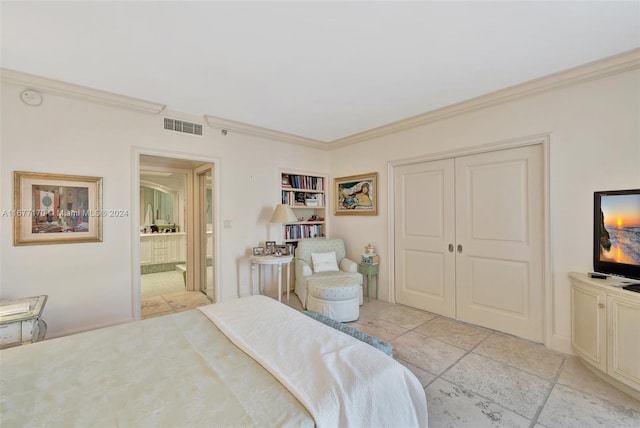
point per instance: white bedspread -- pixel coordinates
(341, 380)
(177, 370)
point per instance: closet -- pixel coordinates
(469, 238)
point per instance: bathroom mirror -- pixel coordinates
(161, 200)
(158, 206)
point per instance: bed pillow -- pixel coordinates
(324, 262)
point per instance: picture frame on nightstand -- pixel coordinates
(269, 247)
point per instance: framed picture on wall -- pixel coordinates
(356, 194)
(58, 209)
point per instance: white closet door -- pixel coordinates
(424, 229)
(499, 248)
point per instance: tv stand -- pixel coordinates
(617, 281)
(605, 322)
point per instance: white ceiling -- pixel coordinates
(321, 70)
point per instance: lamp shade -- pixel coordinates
(283, 214)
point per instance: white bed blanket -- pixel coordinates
(339, 379)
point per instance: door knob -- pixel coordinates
(459, 248)
(601, 305)
(451, 248)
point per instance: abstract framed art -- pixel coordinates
(56, 208)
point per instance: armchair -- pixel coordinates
(342, 280)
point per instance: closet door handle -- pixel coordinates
(451, 248)
(459, 248)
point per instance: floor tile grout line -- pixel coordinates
(548, 394)
(475, 393)
(466, 352)
(491, 332)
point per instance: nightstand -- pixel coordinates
(369, 271)
(24, 327)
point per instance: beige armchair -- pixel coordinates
(339, 284)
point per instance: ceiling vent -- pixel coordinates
(182, 126)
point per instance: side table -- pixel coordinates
(270, 261)
(25, 327)
(369, 271)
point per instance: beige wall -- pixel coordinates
(90, 284)
(594, 145)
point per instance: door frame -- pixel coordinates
(198, 245)
(136, 152)
(551, 340)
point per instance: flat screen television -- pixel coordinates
(616, 233)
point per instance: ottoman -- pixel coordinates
(335, 297)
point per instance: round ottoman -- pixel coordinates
(335, 297)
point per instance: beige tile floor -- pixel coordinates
(172, 302)
(476, 377)
(163, 293)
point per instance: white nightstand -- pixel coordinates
(25, 327)
(270, 261)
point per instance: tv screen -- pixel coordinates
(616, 243)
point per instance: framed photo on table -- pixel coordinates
(269, 247)
(281, 250)
(356, 194)
(57, 209)
(258, 251)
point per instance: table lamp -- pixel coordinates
(283, 214)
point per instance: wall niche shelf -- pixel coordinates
(306, 194)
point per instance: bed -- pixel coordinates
(246, 362)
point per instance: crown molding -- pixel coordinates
(616, 64)
(257, 131)
(609, 66)
(70, 90)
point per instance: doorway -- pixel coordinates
(469, 234)
(177, 253)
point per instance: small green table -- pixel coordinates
(369, 271)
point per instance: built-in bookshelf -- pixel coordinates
(306, 195)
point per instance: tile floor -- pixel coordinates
(164, 293)
(173, 302)
(475, 377)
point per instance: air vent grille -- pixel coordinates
(182, 126)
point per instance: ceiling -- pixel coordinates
(320, 70)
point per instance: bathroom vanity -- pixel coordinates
(159, 248)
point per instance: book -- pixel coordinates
(370, 259)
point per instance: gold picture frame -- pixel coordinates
(57, 209)
(356, 194)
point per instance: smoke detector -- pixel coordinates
(31, 97)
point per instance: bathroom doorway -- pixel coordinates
(176, 234)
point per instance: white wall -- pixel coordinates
(595, 145)
(90, 284)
